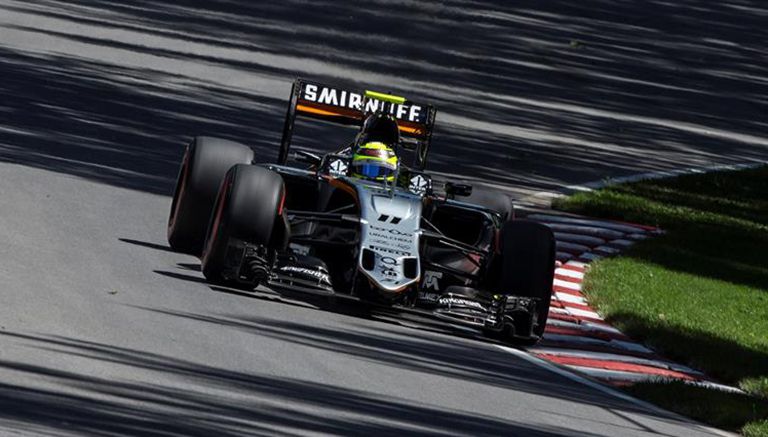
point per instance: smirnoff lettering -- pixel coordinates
(346, 99)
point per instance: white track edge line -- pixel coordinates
(660, 174)
(575, 377)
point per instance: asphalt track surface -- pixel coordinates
(104, 331)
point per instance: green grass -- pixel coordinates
(699, 293)
(728, 410)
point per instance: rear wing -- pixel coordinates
(337, 105)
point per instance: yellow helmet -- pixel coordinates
(374, 161)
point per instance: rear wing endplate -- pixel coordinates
(337, 105)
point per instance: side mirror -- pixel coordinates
(453, 189)
(416, 182)
(306, 157)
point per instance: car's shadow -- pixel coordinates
(339, 304)
(147, 244)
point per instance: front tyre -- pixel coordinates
(206, 161)
(527, 270)
(247, 209)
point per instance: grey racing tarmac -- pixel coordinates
(105, 331)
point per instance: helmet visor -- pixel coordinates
(373, 171)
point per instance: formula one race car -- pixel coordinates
(360, 222)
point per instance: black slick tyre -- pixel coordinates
(528, 268)
(206, 161)
(247, 208)
(491, 199)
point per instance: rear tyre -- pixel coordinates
(205, 163)
(527, 269)
(247, 208)
(494, 200)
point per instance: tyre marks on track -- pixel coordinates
(577, 336)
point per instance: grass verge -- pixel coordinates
(726, 410)
(699, 293)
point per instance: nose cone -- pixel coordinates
(389, 254)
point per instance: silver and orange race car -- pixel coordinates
(309, 223)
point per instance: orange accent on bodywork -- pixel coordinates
(411, 130)
(318, 111)
(414, 129)
(335, 183)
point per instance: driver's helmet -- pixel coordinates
(374, 161)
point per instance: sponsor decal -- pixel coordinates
(450, 301)
(431, 280)
(390, 246)
(299, 248)
(390, 235)
(338, 168)
(392, 231)
(388, 267)
(345, 99)
(425, 296)
(320, 276)
(389, 249)
(376, 153)
(418, 185)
